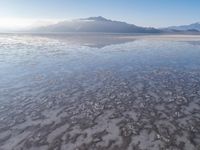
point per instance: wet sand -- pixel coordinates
(140, 95)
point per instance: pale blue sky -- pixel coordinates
(157, 13)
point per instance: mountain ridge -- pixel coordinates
(193, 26)
(96, 24)
(100, 24)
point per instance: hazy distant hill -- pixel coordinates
(95, 24)
(195, 27)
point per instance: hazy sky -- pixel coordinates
(157, 13)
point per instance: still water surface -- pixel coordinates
(99, 92)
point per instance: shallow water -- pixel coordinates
(99, 92)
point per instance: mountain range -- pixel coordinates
(103, 25)
(191, 27)
(95, 24)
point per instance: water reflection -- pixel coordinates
(99, 92)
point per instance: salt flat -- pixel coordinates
(99, 92)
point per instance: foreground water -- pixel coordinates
(99, 92)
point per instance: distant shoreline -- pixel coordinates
(103, 39)
(102, 33)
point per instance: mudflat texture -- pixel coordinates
(73, 92)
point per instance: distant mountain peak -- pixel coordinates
(99, 18)
(97, 24)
